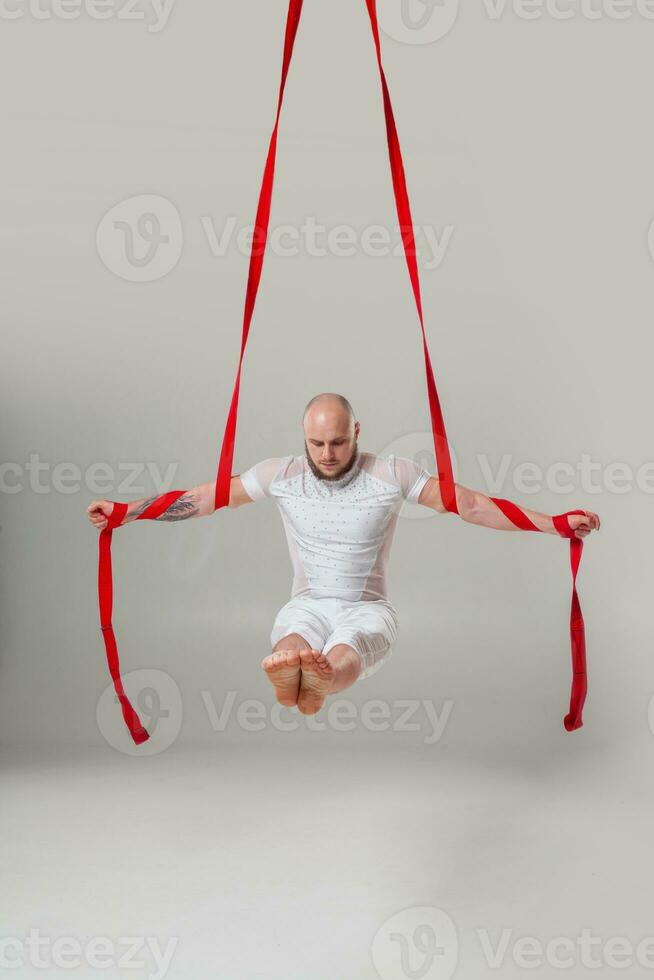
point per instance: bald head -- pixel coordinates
(328, 403)
(330, 435)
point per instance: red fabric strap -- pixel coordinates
(573, 719)
(443, 460)
(105, 600)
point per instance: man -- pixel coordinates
(339, 508)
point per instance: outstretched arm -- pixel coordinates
(476, 508)
(197, 502)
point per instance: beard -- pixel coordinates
(336, 474)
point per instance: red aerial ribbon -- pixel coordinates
(579, 690)
(159, 505)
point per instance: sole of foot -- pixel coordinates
(283, 670)
(316, 682)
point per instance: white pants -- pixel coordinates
(369, 627)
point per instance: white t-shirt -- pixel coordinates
(339, 532)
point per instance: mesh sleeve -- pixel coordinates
(410, 477)
(258, 480)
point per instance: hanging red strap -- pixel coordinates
(259, 239)
(579, 690)
(105, 598)
(517, 517)
(441, 447)
(443, 461)
(223, 479)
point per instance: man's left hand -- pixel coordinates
(583, 524)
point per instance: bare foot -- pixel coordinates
(317, 679)
(283, 669)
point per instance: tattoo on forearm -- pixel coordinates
(180, 510)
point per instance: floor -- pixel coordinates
(315, 856)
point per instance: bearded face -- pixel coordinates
(331, 460)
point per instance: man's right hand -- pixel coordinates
(99, 511)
